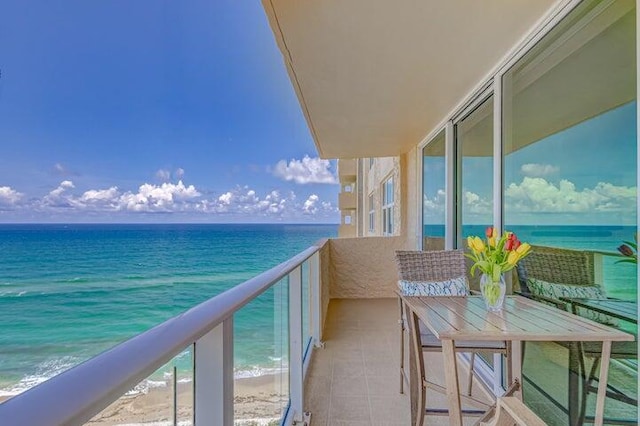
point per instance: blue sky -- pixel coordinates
(106, 106)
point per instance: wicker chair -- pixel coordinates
(575, 268)
(556, 265)
(431, 267)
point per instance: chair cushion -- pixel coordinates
(452, 287)
(556, 291)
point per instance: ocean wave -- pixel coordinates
(51, 368)
(13, 293)
(43, 372)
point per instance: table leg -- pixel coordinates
(574, 379)
(451, 380)
(602, 385)
(516, 364)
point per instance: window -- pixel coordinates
(387, 207)
(371, 161)
(433, 191)
(569, 146)
(372, 215)
(474, 172)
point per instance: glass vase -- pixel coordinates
(493, 292)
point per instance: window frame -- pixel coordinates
(387, 206)
(372, 214)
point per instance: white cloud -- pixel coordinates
(245, 201)
(476, 205)
(539, 195)
(163, 175)
(309, 206)
(538, 170)
(235, 204)
(60, 197)
(63, 187)
(63, 171)
(9, 195)
(434, 206)
(165, 197)
(307, 170)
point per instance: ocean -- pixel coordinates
(69, 292)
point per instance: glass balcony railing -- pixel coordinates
(184, 371)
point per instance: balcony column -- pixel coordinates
(213, 376)
(316, 299)
(296, 374)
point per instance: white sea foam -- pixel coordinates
(43, 372)
(51, 368)
(13, 293)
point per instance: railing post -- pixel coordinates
(296, 378)
(213, 376)
(316, 298)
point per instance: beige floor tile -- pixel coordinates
(349, 386)
(351, 368)
(355, 380)
(349, 408)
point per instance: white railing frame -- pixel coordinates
(92, 386)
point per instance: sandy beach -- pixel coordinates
(258, 402)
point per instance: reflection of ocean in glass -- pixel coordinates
(619, 279)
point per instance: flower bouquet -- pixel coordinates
(493, 258)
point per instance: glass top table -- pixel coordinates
(624, 310)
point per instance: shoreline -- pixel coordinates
(257, 402)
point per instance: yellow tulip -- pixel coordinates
(492, 241)
(494, 233)
(470, 243)
(523, 249)
(478, 244)
(513, 258)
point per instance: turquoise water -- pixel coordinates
(68, 292)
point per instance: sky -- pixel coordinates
(152, 111)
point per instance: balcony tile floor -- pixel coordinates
(354, 380)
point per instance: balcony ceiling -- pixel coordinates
(374, 77)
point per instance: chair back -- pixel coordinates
(556, 265)
(435, 265)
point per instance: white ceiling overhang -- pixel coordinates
(374, 77)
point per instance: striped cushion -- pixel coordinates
(452, 287)
(556, 291)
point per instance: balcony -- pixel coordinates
(334, 304)
(347, 170)
(347, 231)
(347, 201)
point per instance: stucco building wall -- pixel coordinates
(364, 267)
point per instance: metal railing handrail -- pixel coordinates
(76, 395)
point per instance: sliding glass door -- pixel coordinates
(474, 172)
(570, 172)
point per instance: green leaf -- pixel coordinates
(497, 270)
